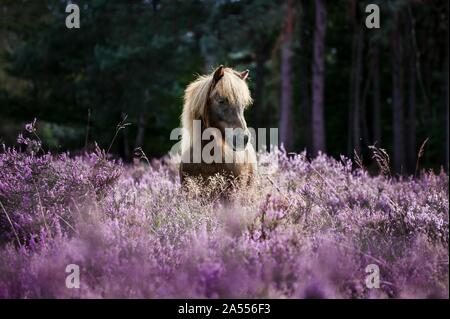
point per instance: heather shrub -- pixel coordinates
(304, 229)
(39, 193)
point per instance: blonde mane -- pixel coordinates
(197, 94)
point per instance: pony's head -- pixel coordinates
(218, 100)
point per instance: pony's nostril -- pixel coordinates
(240, 141)
(245, 139)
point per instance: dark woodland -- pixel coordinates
(317, 73)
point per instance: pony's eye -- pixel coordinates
(221, 100)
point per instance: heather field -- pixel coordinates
(305, 229)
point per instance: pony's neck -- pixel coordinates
(212, 139)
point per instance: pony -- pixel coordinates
(213, 106)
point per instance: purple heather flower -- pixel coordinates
(31, 127)
(308, 232)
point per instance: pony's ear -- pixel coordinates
(218, 73)
(244, 75)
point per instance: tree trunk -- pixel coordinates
(446, 66)
(209, 59)
(446, 124)
(286, 84)
(376, 114)
(141, 125)
(139, 142)
(305, 110)
(397, 96)
(356, 88)
(257, 107)
(355, 107)
(318, 84)
(366, 135)
(411, 114)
